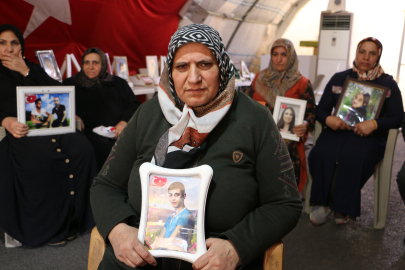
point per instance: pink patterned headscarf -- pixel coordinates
(270, 83)
(377, 70)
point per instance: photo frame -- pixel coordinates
(360, 101)
(159, 221)
(163, 60)
(121, 67)
(289, 112)
(152, 66)
(47, 110)
(109, 68)
(47, 60)
(244, 70)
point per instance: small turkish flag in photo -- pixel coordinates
(283, 106)
(158, 181)
(30, 98)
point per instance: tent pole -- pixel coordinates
(400, 52)
(239, 23)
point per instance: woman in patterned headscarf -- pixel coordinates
(102, 99)
(198, 118)
(282, 78)
(345, 157)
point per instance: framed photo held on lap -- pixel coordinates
(47, 110)
(360, 101)
(288, 113)
(173, 209)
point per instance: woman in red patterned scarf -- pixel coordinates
(282, 78)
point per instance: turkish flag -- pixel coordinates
(30, 98)
(132, 28)
(158, 181)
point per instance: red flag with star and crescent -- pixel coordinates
(158, 181)
(131, 28)
(30, 98)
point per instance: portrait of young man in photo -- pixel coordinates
(175, 233)
(40, 117)
(60, 111)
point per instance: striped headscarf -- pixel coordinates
(377, 70)
(180, 144)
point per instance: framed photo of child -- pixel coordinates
(360, 101)
(47, 110)
(173, 209)
(288, 113)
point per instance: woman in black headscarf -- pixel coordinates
(101, 100)
(198, 118)
(45, 180)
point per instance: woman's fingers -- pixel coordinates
(127, 248)
(16, 128)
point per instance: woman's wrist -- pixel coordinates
(375, 124)
(25, 72)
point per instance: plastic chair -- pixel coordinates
(382, 179)
(273, 257)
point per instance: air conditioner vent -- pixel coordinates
(336, 22)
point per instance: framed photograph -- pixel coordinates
(109, 68)
(121, 67)
(152, 66)
(244, 70)
(48, 62)
(163, 60)
(173, 209)
(360, 101)
(288, 113)
(47, 110)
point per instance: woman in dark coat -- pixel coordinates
(101, 100)
(45, 180)
(343, 160)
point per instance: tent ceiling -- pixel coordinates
(247, 27)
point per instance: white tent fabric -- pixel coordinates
(247, 27)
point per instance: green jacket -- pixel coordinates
(253, 202)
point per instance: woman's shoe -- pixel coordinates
(319, 215)
(340, 218)
(58, 244)
(71, 238)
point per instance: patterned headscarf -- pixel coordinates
(181, 144)
(81, 78)
(208, 36)
(270, 83)
(377, 70)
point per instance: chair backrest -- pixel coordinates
(2, 133)
(317, 82)
(273, 257)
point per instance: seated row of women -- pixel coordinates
(348, 149)
(45, 182)
(192, 121)
(197, 118)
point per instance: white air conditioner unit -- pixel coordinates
(333, 46)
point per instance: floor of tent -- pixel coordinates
(355, 245)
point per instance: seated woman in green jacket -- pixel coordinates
(198, 118)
